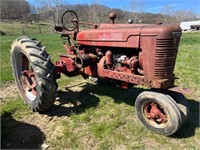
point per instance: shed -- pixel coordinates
(189, 25)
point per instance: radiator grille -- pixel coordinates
(165, 58)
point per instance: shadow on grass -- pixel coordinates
(19, 135)
(188, 129)
(76, 102)
(73, 102)
(86, 98)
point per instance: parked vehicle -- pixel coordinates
(138, 54)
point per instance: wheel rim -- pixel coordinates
(26, 77)
(155, 115)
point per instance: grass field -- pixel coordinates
(91, 116)
(19, 28)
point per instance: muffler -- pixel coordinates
(85, 60)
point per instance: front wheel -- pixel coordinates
(158, 112)
(34, 73)
(182, 103)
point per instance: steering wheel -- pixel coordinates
(69, 20)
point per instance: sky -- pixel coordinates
(152, 6)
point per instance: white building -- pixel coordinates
(189, 25)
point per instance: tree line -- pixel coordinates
(52, 10)
(13, 9)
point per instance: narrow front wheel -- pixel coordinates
(158, 112)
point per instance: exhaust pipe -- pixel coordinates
(85, 60)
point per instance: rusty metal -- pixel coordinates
(110, 38)
(138, 54)
(112, 17)
(143, 54)
(125, 77)
(95, 26)
(132, 63)
(28, 79)
(66, 65)
(182, 90)
(140, 71)
(124, 85)
(109, 59)
(136, 79)
(154, 112)
(68, 50)
(85, 60)
(124, 74)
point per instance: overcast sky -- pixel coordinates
(153, 6)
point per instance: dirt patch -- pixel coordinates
(49, 121)
(19, 135)
(9, 90)
(46, 125)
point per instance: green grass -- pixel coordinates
(12, 105)
(52, 42)
(18, 28)
(112, 124)
(105, 118)
(187, 67)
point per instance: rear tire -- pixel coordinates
(34, 73)
(158, 112)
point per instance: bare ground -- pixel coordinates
(39, 128)
(8, 91)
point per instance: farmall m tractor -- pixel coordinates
(138, 54)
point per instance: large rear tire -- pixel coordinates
(34, 73)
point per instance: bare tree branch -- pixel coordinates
(53, 6)
(179, 15)
(97, 12)
(136, 8)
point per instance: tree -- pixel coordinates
(10, 9)
(168, 15)
(33, 9)
(121, 15)
(136, 8)
(97, 12)
(54, 8)
(185, 15)
(179, 15)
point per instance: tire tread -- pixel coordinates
(44, 74)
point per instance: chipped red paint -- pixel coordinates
(28, 79)
(154, 49)
(154, 112)
(66, 65)
(111, 38)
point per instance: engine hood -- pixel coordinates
(111, 36)
(124, 35)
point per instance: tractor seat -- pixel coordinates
(60, 30)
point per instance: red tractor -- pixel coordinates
(138, 54)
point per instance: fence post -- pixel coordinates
(23, 31)
(39, 28)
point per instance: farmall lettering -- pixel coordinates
(130, 54)
(110, 36)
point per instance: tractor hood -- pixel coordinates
(110, 35)
(125, 35)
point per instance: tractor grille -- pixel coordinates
(165, 57)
